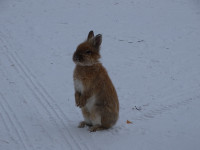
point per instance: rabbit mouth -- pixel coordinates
(83, 63)
(76, 59)
(86, 63)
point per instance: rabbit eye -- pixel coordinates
(88, 52)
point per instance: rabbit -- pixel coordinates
(94, 90)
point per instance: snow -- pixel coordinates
(150, 49)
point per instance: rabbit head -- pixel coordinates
(87, 53)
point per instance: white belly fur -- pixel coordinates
(90, 103)
(78, 85)
(96, 119)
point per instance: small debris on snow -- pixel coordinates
(129, 122)
(137, 108)
(140, 41)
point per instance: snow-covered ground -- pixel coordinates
(151, 49)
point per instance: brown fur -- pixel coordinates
(95, 81)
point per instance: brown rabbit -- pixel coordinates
(94, 91)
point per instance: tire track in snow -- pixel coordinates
(40, 96)
(38, 119)
(16, 125)
(167, 107)
(48, 96)
(4, 121)
(36, 93)
(40, 93)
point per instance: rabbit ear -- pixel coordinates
(97, 40)
(90, 35)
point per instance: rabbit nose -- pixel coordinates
(76, 58)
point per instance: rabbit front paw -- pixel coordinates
(77, 98)
(82, 102)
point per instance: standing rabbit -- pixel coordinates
(94, 91)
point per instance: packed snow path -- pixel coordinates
(151, 51)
